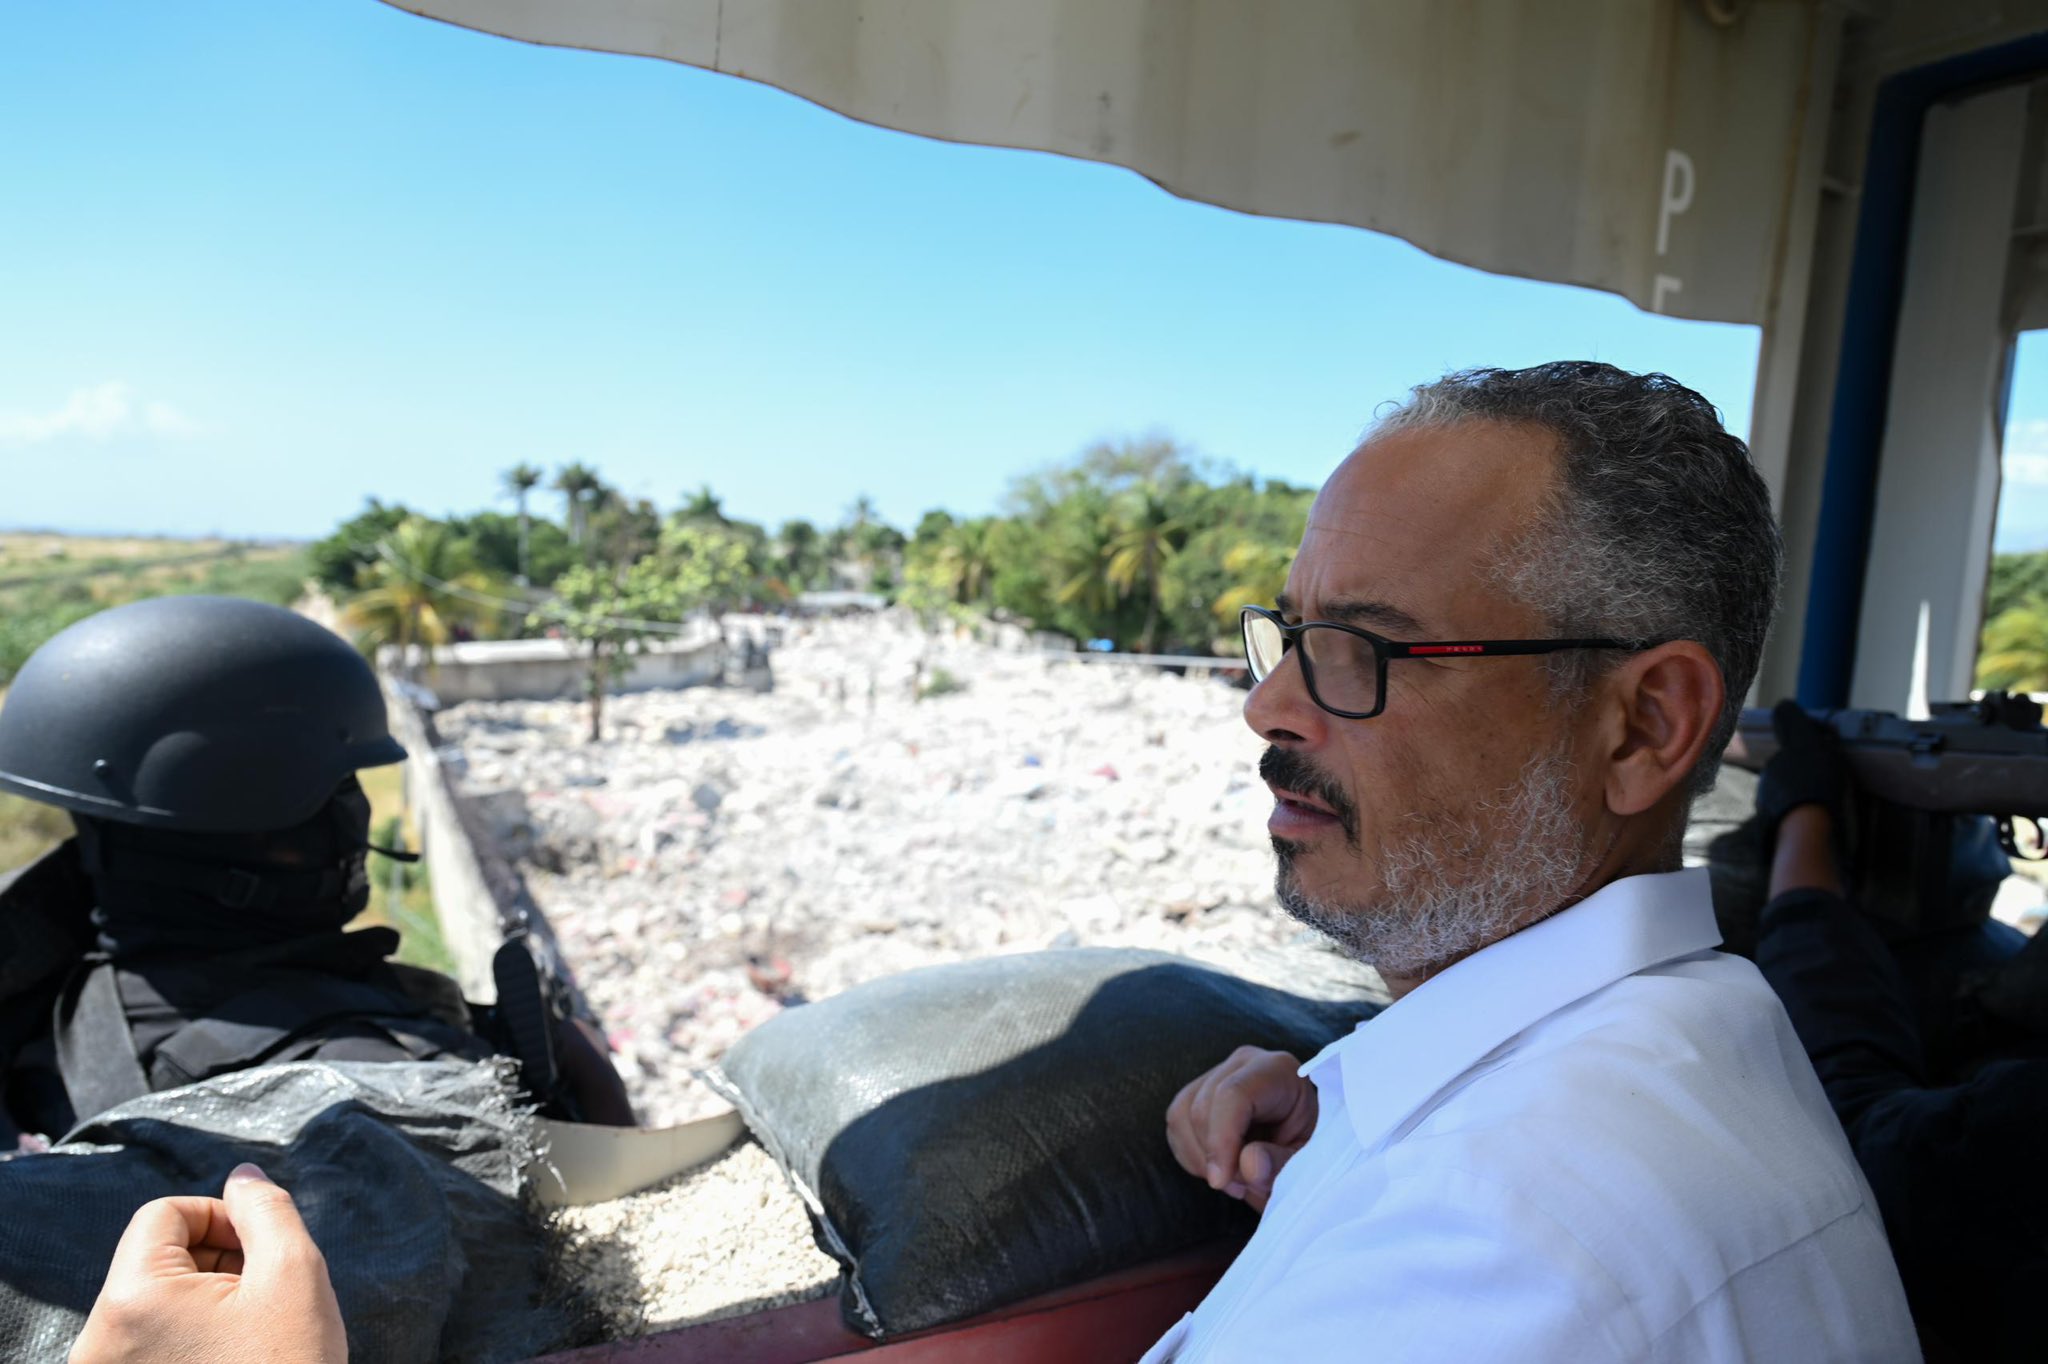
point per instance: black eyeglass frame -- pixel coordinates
(1384, 649)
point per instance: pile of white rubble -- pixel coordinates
(898, 799)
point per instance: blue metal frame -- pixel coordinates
(1877, 276)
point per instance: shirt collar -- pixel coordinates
(1394, 1062)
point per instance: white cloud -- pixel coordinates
(2026, 452)
(102, 412)
(2025, 468)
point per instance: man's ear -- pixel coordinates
(1668, 700)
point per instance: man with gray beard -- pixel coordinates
(1513, 644)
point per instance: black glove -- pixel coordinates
(1808, 769)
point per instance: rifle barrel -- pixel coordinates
(1942, 766)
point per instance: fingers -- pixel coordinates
(171, 1235)
(273, 1237)
(1227, 1109)
(1180, 1129)
(283, 1271)
(1188, 1128)
(216, 1279)
(1254, 1093)
(1258, 1167)
(208, 1260)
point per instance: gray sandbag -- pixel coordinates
(408, 1176)
(973, 1134)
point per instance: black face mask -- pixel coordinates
(163, 891)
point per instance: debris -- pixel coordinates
(723, 853)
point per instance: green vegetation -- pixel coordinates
(50, 581)
(424, 589)
(28, 830)
(1134, 542)
(2013, 651)
(696, 565)
(401, 895)
(942, 682)
(47, 582)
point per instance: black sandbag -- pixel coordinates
(409, 1177)
(973, 1134)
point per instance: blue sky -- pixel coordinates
(259, 261)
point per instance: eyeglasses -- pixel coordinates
(1346, 667)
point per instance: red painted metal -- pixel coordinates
(1111, 1320)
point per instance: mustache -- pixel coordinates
(1284, 767)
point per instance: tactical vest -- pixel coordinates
(69, 1016)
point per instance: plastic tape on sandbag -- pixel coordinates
(408, 1176)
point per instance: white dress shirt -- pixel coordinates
(1597, 1139)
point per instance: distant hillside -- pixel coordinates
(47, 581)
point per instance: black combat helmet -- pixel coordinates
(201, 714)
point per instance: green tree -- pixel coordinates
(2014, 653)
(1258, 574)
(1245, 540)
(799, 556)
(423, 588)
(965, 559)
(931, 528)
(2013, 579)
(494, 538)
(578, 484)
(619, 531)
(1147, 532)
(519, 480)
(338, 560)
(1082, 535)
(1023, 577)
(609, 607)
(702, 505)
(872, 546)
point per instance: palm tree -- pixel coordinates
(1258, 574)
(1083, 539)
(801, 555)
(1148, 531)
(966, 558)
(702, 505)
(870, 544)
(519, 480)
(576, 482)
(2014, 652)
(425, 585)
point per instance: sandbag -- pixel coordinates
(408, 1176)
(973, 1134)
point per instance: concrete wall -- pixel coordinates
(471, 921)
(479, 897)
(552, 669)
(1937, 489)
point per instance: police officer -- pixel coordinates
(1946, 1134)
(207, 750)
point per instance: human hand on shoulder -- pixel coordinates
(1235, 1126)
(216, 1279)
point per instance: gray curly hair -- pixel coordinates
(1660, 527)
